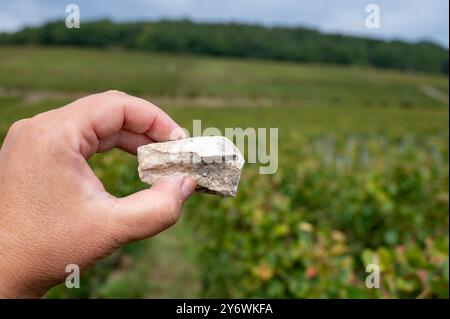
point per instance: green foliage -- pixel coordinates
(358, 182)
(336, 205)
(240, 40)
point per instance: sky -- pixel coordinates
(410, 20)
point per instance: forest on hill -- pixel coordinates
(240, 40)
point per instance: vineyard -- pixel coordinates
(363, 175)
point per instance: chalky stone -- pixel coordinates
(213, 161)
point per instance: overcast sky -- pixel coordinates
(411, 20)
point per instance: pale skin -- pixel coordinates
(54, 211)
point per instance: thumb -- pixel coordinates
(150, 211)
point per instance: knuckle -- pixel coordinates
(38, 118)
(105, 97)
(52, 130)
(16, 126)
(171, 209)
(40, 124)
(172, 218)
(114, 93)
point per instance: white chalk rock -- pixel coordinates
(213, 161)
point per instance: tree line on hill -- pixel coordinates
(240, 40)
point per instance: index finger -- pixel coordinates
(102, 115)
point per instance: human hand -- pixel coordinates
(54, 211)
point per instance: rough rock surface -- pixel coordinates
(213, 161)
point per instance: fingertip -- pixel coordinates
(188, 186)
(184, 185)
(178, 133)
(169, 182)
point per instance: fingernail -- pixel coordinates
(188, 186)
(177, 134)
(182, 135)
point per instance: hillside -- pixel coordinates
(240, 40)
(363, 171)
(212, 81)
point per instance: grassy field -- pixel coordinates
(362, 178)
